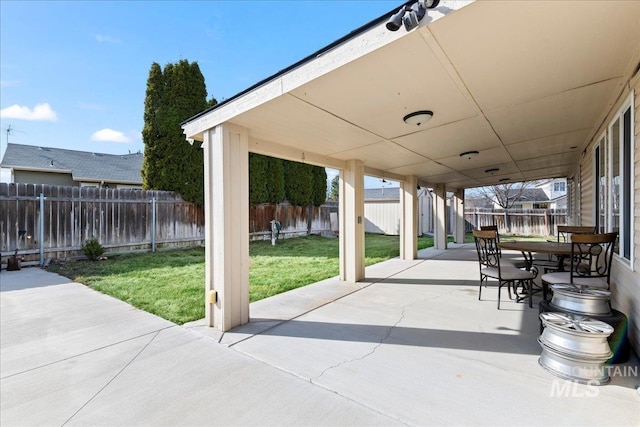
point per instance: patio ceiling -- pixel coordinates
(527, 84)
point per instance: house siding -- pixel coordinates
(51, 178)
(586, 190)
(382, 217)
(625, 280)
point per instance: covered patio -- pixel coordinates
(516, 90)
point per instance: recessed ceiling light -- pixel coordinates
(469, 154)
(418, 118)
(492, 170)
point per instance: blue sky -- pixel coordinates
(73, 74)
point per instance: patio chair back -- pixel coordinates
(592, 255)
(566, 231)
(487, 248)
(492, 228)
(489, 259)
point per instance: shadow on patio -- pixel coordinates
(413, 341)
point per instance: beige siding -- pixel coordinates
(382, 217)
(585, 176)
(625, 282)
(31, 177)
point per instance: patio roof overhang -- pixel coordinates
(527, 84)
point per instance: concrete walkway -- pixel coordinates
(411, 345)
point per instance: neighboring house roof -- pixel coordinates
(389, 193)
(83, 165)
(529, 195)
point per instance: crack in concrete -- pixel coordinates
(373, 350)
(114, 377)
(87, 352)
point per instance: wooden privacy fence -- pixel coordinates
(46, 221)
(295, 220)
(526, 222)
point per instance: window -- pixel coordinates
(559, 187)
(622, 179)
(613, 172)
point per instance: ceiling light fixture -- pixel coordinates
(492, 170)
(469, 154)
(418, 118)
(410, 16)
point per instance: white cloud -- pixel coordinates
(107, 39)
(41, 112)
(109, 135)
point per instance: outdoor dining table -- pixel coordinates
(560, 250)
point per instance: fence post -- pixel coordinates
(41, 233)
(153, 224)
(506, 221)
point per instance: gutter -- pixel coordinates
(32, 169)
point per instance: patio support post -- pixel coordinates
(440, 217)
(459, 216)
(351, 220)
(409, 218)
(226, 158)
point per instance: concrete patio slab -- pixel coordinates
(410, 345)
(45, 318)
(77, 357)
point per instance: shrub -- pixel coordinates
(92, 249)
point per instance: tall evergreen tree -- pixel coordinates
(258, 191)
(275, 180)
(334, 191)
(319, 185)
(151, 132)
(173, 95)
(299, 183)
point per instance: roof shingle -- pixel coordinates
(84, 165)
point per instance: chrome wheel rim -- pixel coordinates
(576, 335)
(589, 372)
(581, 299)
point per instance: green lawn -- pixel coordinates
(170, 284)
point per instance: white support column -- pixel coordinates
(440, 217)
(226, 177)
(352, 222)
(459, 216)
(409, 218)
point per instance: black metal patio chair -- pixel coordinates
(490, 267)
